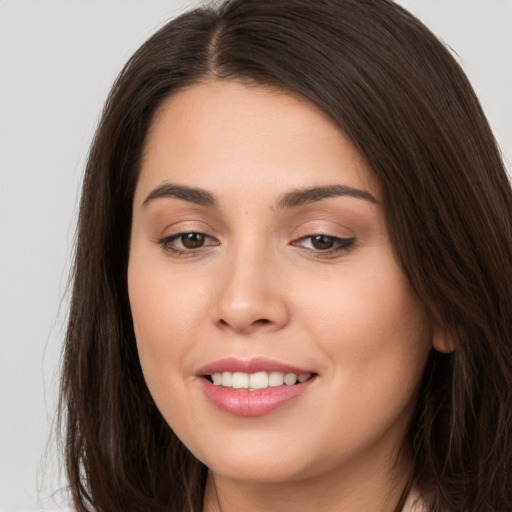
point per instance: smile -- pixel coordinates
(255, 387)
(258, 380)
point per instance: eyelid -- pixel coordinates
(186, 224)
(322, 223)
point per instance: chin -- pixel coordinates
(259, 470)
(260, 460)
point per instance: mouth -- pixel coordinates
(258, 380)
(255, 387)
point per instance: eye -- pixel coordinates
(187, 243)
(192, 240)
(324, 244)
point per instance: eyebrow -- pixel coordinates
(302, 197)
(293, 199)
(193, 195)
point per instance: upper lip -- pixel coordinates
(258, 364)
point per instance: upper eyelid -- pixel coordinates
(326, 233)
(181, 227)
(217, 228)
(305, 230)
(176, 236)
(322, 226)
(334, 237)
(309, 234)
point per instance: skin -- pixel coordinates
(258, 287)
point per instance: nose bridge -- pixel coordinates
(251, 295)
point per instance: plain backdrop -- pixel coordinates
(58, 59)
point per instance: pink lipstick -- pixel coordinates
(253, 387)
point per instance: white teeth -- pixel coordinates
(276, 379)
(290, 379)
(258, 380)
(240, 380)
(227, 379)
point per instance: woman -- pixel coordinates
(292, 276)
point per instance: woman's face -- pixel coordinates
(259, 258)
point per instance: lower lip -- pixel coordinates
(242, 402)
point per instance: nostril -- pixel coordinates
(261, 321)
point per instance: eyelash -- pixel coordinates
(338, 244)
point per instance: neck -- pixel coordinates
(372, 490)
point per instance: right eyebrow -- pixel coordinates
(191, 194)
(301, 197)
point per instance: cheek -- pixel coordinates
(373, 330)
(165, 312)
(372, 325)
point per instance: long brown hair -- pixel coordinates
(405, 103)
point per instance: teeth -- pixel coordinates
(276, 379)
(227, 379)
(290, 379)
(259, 380)
(240, 380)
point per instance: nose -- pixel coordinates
(251, 295)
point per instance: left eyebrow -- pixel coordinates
(191, 194)
(301, 197)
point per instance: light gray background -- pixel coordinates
(57, 61)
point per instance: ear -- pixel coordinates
(443, 341)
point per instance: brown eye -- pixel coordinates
(191, 243)
(193, 240)
(322, 242)
(325, 245)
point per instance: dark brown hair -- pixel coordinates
(405, 103)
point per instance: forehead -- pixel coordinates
(226, 132)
